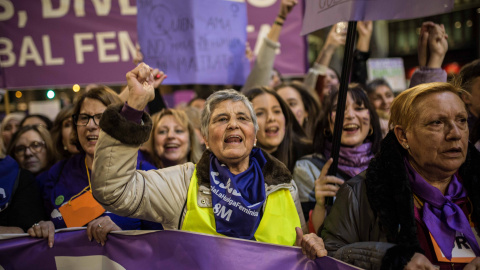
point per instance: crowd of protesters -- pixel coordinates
(407, 183)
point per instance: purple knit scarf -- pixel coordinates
(352, 160)
(441, 215)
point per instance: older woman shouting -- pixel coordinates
(418, 205)
(235, 189)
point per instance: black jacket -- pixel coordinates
(377, 207)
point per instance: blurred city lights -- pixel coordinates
(50, 94)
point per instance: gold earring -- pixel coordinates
(406, 146)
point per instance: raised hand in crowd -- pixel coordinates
(43, 229)
(432, 45)
(99, 228)
(334, 40)
(325, 186)
(286, 6)
(312, 245)
(365, 30)
(248, 52)
(141, 83)
(138, 58)
(473, 265)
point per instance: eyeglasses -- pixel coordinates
(83, 119)
(35, 147)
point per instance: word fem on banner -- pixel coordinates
(195, 42)
(65, 42)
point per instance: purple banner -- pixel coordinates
(62, 42)
(292, 58)
(156, 250)
(54, 42)
(195, 42)
(322, 13)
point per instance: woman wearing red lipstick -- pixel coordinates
(279, 132)
(360, 141)
(173, 140)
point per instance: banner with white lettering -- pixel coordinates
(322, 13)
(64, 42)
(154, 250)
(195, 42)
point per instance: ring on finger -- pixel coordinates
(35, 224)
(100, 225)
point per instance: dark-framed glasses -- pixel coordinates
(35, 147)
(83, 119)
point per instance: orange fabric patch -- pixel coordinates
(81, 210)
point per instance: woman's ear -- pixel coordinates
(401, 135)
(206, 143)
(466, 98)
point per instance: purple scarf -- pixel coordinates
(352, 160)
(441, 215)
(238, 199)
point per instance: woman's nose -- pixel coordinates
(232, 124)
(270, 117)
(349, 113)
(454, 132)
(91, 124)
(28, 152)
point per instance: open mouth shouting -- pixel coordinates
(233, 139)
(170, 147)
(351, 128)
(272, 131)
(92, 138)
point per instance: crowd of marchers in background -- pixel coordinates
(407, 182)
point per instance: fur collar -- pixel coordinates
(390, 195)
(115, 125)
(274, 171)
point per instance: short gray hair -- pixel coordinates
(216, 98)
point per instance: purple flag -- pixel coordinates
(195, 42)
(322, 13)
(155, 250)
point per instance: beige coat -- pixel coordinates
(156, 195)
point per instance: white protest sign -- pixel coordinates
(390, 69)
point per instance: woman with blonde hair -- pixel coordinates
(32, 148)
(173, 140)
(10, 125)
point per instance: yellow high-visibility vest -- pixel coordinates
(277, 225)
